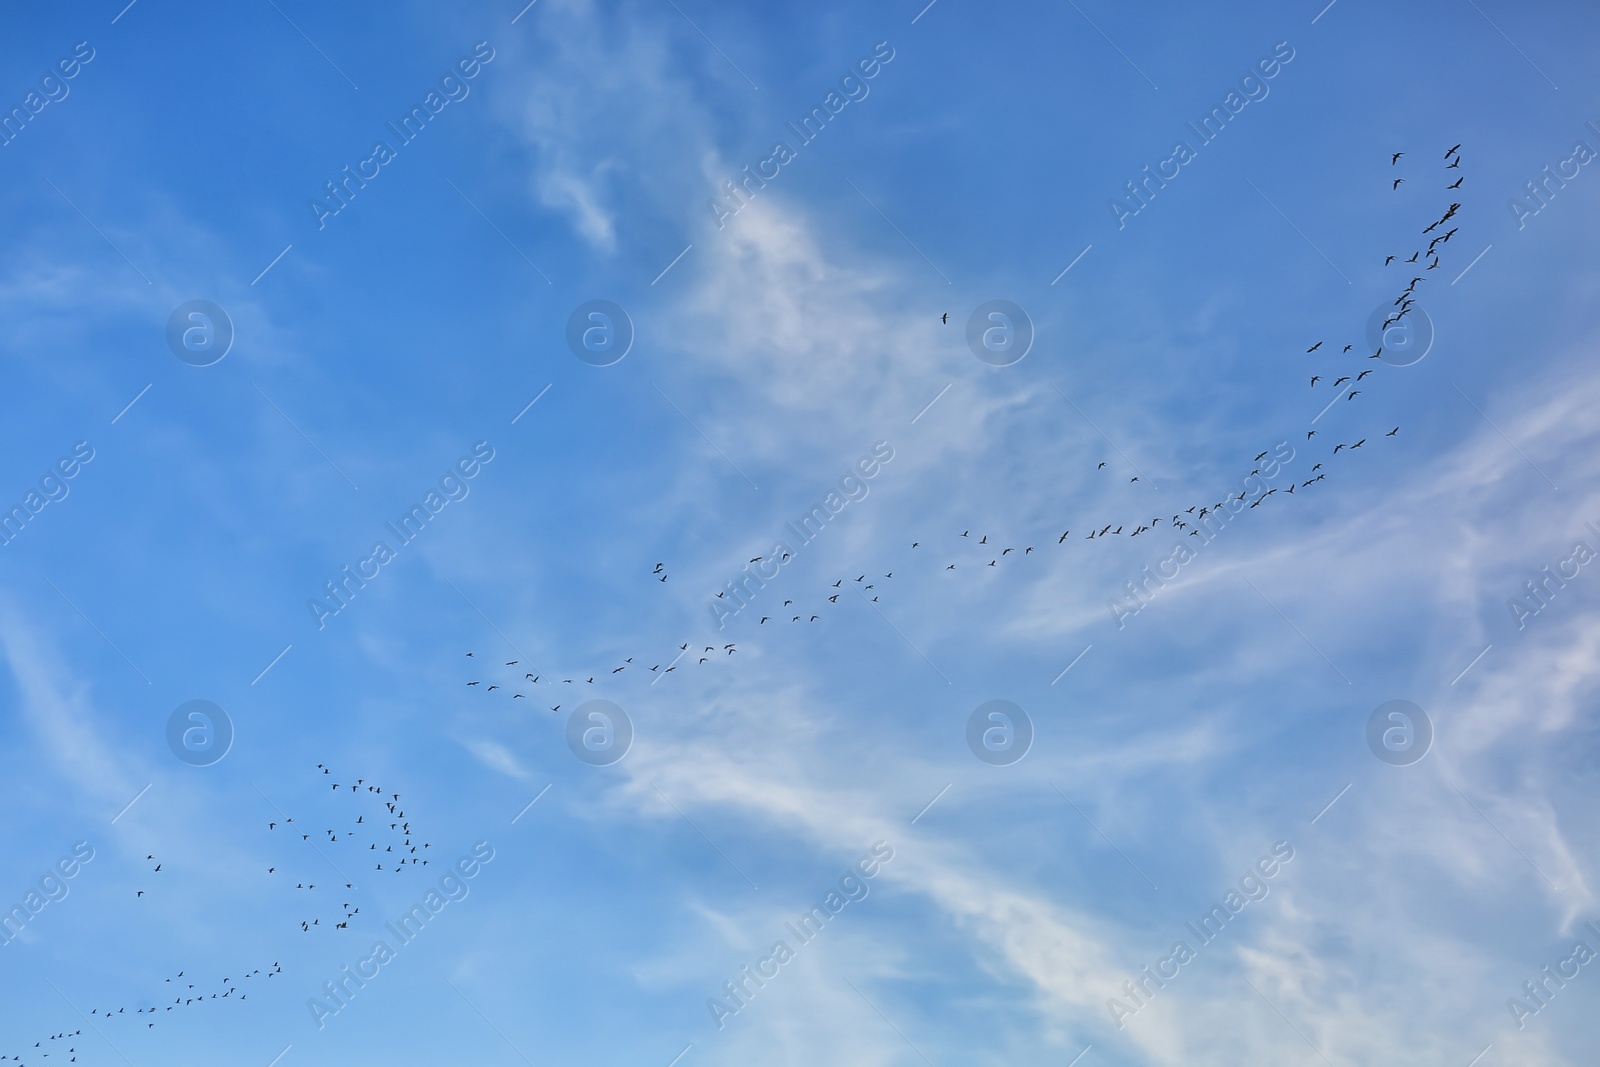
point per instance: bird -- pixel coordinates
(1310, 434)
(945, 318)
(1454, 165)
(1388, 260)
(1359, 443)
(1063, 536)
(1398, 182)
(1259, 458)
(1133, 479)
(1315, 378)
(1413, 258)
(1314, 347)
(1340, 381)
(1452, 151)
(1392, 432)
(1363, 374)
(1336, 449)
(1101, 467)
(1457, 183)
(1353, 394)
(1395, 158)
(1348, 347)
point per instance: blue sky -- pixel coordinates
(573, 153)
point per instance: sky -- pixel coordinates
(825, 504)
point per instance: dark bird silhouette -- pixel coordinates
(1398, 182)
(945, 318)
(1388, 260)
(1314, 347)
(1454, 165)
(1392, 432)
(1363, 374)
(1395, 158)
(1414, 256)
(1259, 458)
(1353, 394)
(1101, 467)
(1452, 151)
(1457, 183)
(1315, 378)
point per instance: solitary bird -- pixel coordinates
(1398, 182)
(1395, 158)
(945, 318)
(1392, 432)
(1314, 347)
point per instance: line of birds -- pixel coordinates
(188, 997)
(869, 586)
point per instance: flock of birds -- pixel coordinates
(1343, 374)
(380, 829)
(387, 835)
